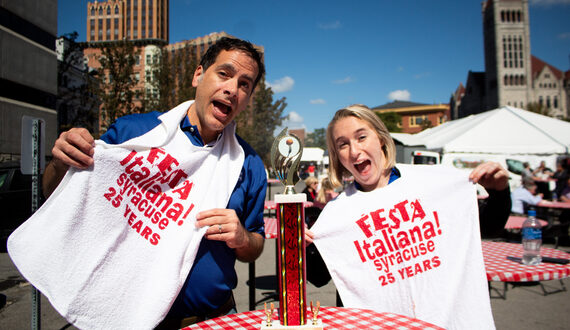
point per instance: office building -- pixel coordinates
(28, 71)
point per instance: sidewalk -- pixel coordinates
(525, 307)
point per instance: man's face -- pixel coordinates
(222, 92)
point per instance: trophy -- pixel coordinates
(286, 154)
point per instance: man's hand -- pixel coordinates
(490, 175)
(73, 148)
(226, 227)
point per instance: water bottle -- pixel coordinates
(531, 239)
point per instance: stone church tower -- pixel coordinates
(508, 70)
(513, 76)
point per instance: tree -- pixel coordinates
(257, 123)
(317, 139)
(539, 108)
(171, 75)
(117, 83)
(185, 65)
(76, 105)
(392, 120)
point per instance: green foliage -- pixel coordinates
(257, 123)
(541, 109)
(172, 76)
(76, 105)
(117, 84)
(318, 139)
(392, 120)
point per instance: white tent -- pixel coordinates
(312, 155)
(506, 130)
(496, 135)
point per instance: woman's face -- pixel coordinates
(360, 151)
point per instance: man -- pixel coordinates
(224, 81)
(524, 194)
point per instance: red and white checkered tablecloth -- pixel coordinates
(332, 318)
(499, 268)
(271, 205)
(270, 227)
(516, 221)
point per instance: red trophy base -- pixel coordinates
(291, 259)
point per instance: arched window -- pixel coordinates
(108, 10)
(506, 80)
(92, 11)
(100, 10)
(116, 10)
(502, 16)
(555, 102)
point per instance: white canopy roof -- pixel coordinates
(506, 130)
(312, 155)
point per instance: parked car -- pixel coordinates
(15, 199)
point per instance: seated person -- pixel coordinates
(524, 194)
(565, 195)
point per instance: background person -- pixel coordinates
(224, 81)
(325, 194)
(311, 187)
(525, 194)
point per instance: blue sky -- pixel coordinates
(324, 55)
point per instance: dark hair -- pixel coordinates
(228, 44)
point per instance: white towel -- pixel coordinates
(113, 245)
(411, 248)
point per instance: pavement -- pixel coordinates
(525, 307)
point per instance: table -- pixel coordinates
(553, 204)
(516, 221)
(270, 227)
(558, 215)
(332, 318)
(271, 205)
(499, 268)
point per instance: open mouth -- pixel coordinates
(223, 108)
(362, 166)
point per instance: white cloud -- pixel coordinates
(549, 2)
(343, 81)
(400, 95)
(318, 101)
(330, 26)
(422, 75)
(282, 85)
(293, 120)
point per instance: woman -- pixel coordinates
(325, 194)
(311, 185)
(360, 146)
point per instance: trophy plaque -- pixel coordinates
(286, 154)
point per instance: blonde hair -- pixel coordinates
(326, 185)
(310, 180)
(362, 112)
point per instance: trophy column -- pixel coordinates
(291, 259)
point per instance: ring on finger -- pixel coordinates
(220, 228)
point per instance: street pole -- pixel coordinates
(36, 136)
